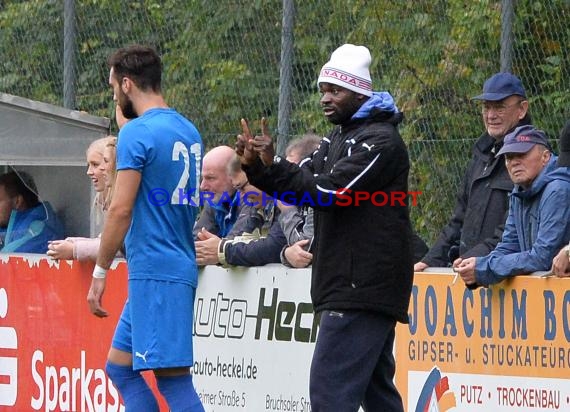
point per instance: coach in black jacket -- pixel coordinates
(362, 265)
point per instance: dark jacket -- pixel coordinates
(481, 206)
(538, 226)
(362, 255)
(256, 238)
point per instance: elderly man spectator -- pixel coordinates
(256, 238)
(221, 208)
(537, 226)
(478, 219)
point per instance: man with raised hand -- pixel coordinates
(362, 267)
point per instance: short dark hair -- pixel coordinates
(20, 183)
(139, 63)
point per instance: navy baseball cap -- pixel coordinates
(500, 86)
(522, 139)
(564, 146)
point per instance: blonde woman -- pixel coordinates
(101, 172)
(110, 169)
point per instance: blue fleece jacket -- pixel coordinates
(30, 230)
(537, 226)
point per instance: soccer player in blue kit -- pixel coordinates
(158, 161)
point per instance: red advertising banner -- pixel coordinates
(52, 349)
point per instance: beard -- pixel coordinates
(342, 112)
(127, 107)
(340, 116)
(337, 118)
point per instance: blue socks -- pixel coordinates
(133, 388)
(179, 392)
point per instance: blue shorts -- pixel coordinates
(156, 324)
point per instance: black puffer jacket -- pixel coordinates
(481, 207)
(362, 257)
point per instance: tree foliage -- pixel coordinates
(222, 61)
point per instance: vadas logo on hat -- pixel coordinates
(348, 67)
(500, 86)
(522, 139)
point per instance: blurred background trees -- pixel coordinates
(222, 61)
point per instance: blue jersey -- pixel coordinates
(166, 149)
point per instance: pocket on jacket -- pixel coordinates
(504, 183)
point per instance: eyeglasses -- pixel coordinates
(498, 108)
(241, 186)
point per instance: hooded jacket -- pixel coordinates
(30, 230)
(362, 254)
(537, 227)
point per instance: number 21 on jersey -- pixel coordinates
(180, 195)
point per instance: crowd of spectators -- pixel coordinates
(240, 225)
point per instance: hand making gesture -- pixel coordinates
(249, 147)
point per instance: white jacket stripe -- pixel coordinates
(350, 184)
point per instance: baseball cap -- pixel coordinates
(522, 139)
(500, 86)
(564, 146)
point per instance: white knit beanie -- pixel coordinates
(348, 67)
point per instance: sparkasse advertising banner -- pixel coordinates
(503, 348)
(52, 349)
